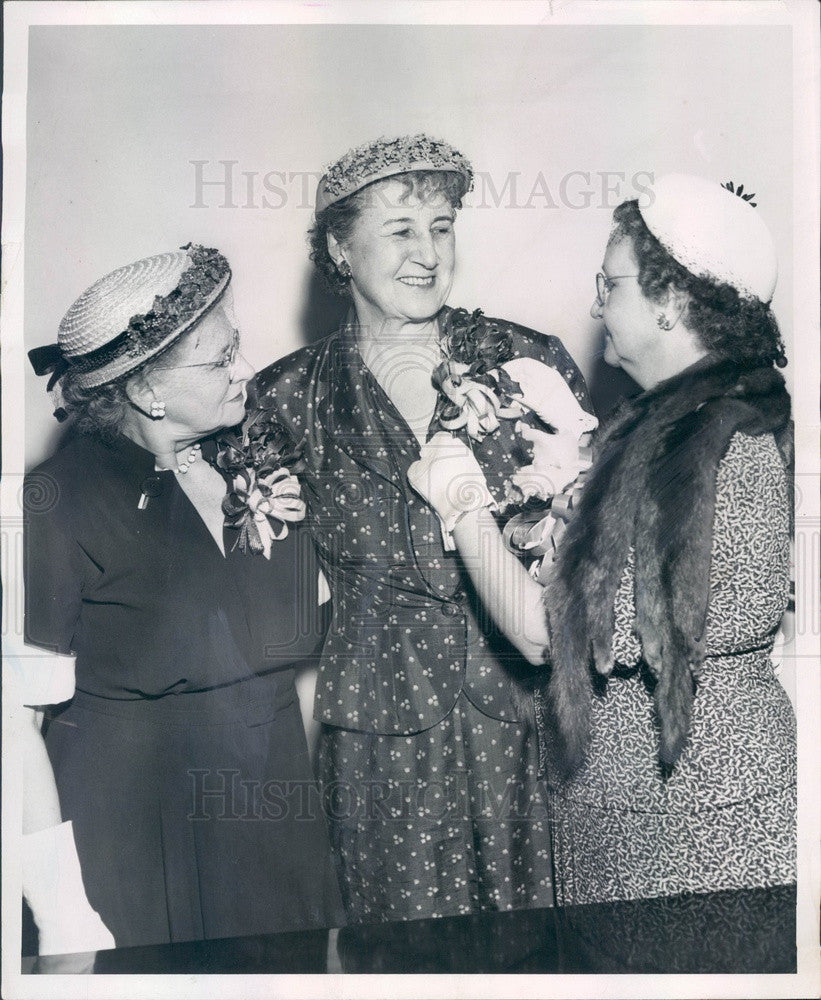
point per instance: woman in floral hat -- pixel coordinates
(427, 760)
(670, 743)
(175, 604)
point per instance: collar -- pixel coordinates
(350, 403)
(133, 466)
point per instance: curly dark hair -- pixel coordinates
(340, 217)
(726, 323)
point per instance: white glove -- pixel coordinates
(34, 676)
(449, 478)
(53, 887)
(547, 394)
(556, 462)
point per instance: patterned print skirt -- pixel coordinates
(451, 820)
(723, 819)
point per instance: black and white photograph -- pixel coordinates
(410, 499)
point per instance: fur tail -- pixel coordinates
(674, 706)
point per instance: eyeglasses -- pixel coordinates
(604, 285)
(228, 359)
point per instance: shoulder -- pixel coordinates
(70, 481)
(290, 386)
(523, 337)
(753, 461)
(284, 383)
(69, 467)
(296, 366)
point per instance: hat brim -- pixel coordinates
(126, 363)
(324, 198)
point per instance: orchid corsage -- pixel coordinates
(480, 383)
(475, 391)
(264, 493)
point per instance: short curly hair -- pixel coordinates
(726, 323)
(340, 217)
(101, 410)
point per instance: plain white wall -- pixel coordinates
(117, 114)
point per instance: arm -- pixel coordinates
(51, 875)
(505, 587)
(33, 678)
(38, 670)
(449, 478)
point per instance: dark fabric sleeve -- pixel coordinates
(52, 573)
(572, 374)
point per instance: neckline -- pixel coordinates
(348, 331)
(138, 464)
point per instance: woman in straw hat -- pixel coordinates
(669, 742)
(430, 767)
(176, 603)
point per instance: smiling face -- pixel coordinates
(401, 253)
(632, 334)
(202, 379)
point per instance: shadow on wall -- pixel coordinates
(322, 311)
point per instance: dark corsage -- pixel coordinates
(261, 466)
(475, 390)
(481, 383)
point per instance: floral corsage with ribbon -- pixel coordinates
(482, 386)
(264, 494)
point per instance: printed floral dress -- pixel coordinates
(725, 818)
(429, 773)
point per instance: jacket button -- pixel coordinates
(450, 610)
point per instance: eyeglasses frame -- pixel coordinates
(604, 285)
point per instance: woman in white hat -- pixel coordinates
(669, 743)
(439, 811)
(176, 604)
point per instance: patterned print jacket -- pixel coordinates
(406, 637)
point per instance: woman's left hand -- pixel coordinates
(557, 462)
(543, 390)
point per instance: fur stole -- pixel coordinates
(652, 486)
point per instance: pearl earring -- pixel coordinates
(663, 322)
(157, 409)
(344, 268)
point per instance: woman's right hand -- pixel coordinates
(557, 462)
(449, 478)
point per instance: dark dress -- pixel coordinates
(181, 759)
(435, 805)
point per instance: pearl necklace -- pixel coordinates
(193, 455)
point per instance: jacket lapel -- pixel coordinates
(348, 407)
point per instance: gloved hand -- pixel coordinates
(53, 887)
(556, 463)
(547, 394)
(449, 478)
